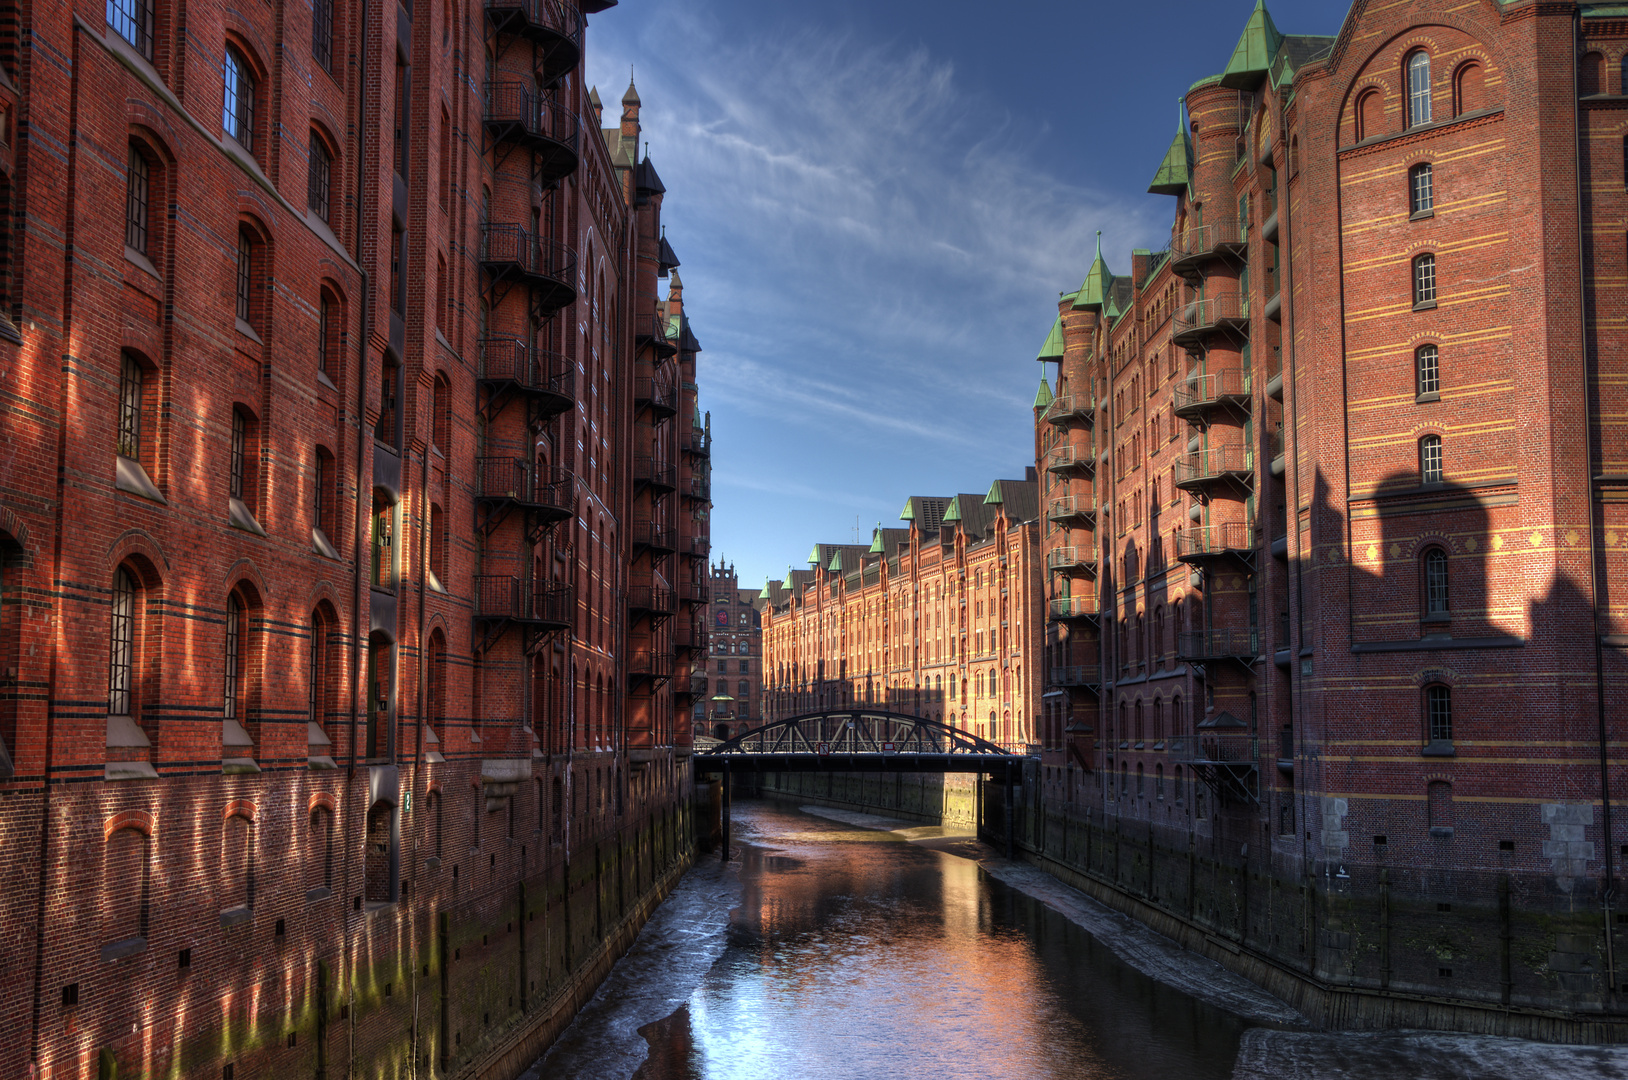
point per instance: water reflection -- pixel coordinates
(854, 954)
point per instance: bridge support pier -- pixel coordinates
(723, 848)
(1010, 849)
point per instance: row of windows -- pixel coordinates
(1468, 86)
(136, 20)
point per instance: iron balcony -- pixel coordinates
(1198, 319)
(508, 598)
(548, 267)
(649, 663)
(1066, 407)
(654, 473)
(1073, 607)
(1202, 543)
(519, 115)
(523, 483)
(655, 599)
(699, 546)
(1076, 675)
(1199, 243)
(1072, 558)
(695, 592)
(697, 443)
(657, 395)
(553, 26)
(652, 330)
(699, 488)
(1200, 393)
(1209, 466)
(653, 535)
(1218, 645)
(1071, 459)
(546, 375)
(1080, 510)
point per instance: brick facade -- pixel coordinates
(734, 658)
(332, 369)
(1334, 489)
(942, 619)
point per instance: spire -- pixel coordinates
(1042, 397)
(1099, 281)
(1052, 349)
(632, 95)
(1176, 170)
(596, 105)
(1252, 56)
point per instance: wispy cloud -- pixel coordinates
(871, 258)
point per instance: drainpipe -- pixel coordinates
(1594, 558)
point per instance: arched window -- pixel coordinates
(1158, 782)
(233, 680)
(1141, 777)
(1470, 89)
(322, 33)
(1439, 794)
(1424, 279)
(438, 545)
(245, 277)
(121, 637)
(316, 671)
(441, 414)
(1421, 189)
(384, 572)
(1435, 582)
(131, 394)
(136, 194)
(1418, 88)
(1427, 371)
(237, 109)
(1438, 714)
(237, 866)
(1430, 460)
(1591, 74)
(319, 176)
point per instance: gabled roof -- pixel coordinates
(1052, 349)
(1019, 499)
(846, 558)
(1098, 282)
(887, 541)
(927, 511)
(1042, 399)
(1252, 56)
(1176, 170)
(970, 514)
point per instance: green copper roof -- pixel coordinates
(1053, 348)
(1042, 398)
(1099, 281)
(876, 540)
(1252, 57)
(995, 498)
(836, 562)
(909, 511)
(954, 511)
(1208, 80)
(1176, 170)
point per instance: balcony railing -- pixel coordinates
(695, 592)
(653, 534)
(655, 394)
(1071, 459)
(1072, 508)
(1225, 462)
(1073, 607)
(699, 488)
(1071, 557)
(518, 113)
(1197, 318)
(555, 26)
(1076, 675)
(1202, 542)
(1066, 407)
(546, 264)
(652, 330)
(654, 598)
(1198, 242)
(537, 371)
(1218, 644)
(501, 596)
(699, 546)
(697, 442)
(655, 473)
(650, 663)
(523, 482)
(1201, 392)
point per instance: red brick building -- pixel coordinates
(350, 528)
(734, 658)
(1335, 494)
(942, 618)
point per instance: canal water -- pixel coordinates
(834, 948)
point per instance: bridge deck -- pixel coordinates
(996, 764)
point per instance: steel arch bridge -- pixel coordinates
(859, 740)
(856, 740)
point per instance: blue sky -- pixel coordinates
(876, 205)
